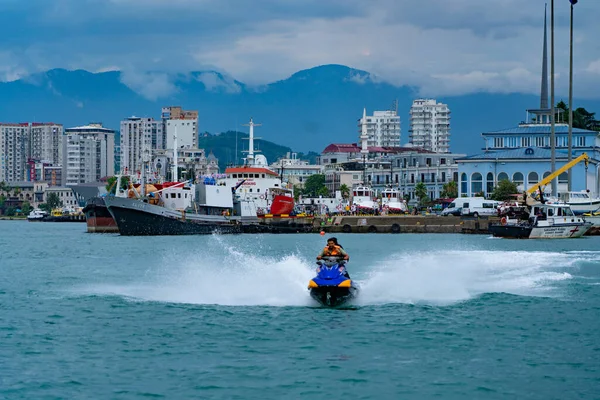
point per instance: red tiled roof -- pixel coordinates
(342, 148)
(254, 170)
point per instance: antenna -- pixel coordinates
(395, 106)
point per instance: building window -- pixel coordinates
(463, 183)
(489, 187)
(580, 141)
(532, 178)
(563, 178)
(443, 177)
(518, 178)
(442, 161)
(498, 142)
(476, 183)
(502, 176)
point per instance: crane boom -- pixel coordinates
(566, 167)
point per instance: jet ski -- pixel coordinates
(332, 287)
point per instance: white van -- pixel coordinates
(476, 206)
(453, 209)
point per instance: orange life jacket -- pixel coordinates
(329, 253)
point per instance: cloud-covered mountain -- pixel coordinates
(307, 111)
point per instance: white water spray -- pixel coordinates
(248, 275)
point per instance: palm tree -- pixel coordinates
(421, 193)
(345, 190)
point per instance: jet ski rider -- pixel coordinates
(334, 249)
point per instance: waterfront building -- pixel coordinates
(523, 155)
(89, 154)
(66, 195)
(380, 129)
(380, 167)
(430, 125)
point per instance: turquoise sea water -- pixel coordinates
(89, 316)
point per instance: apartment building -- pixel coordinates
(380, 129)
(430, 125)
(88, 154)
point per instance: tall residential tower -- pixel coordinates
(430, 125)
(380, 129)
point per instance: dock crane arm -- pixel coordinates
(584, 157)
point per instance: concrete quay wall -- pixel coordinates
(402, 224)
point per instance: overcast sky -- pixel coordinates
(444, 47)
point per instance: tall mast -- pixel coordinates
(544, 86)
(175, 156)
(250, 157)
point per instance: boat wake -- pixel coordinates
(244, 276)
(447, 277)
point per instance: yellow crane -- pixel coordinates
(530, 199)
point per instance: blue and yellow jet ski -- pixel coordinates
(332, 287)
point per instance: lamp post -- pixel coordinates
(552, 109)
(570, 172)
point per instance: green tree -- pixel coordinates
(111, 184)
(504, 190)
(53, 201)
(421, 193)
(345, 190)
(450, 190)
(2, 200)
(26, 207)
(582, 118)
(44, 207)
(314, 186)
(10, 212)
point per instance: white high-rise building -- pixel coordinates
(88, 154)
(430, 125)
(139, 136)
(380, 129)
(185, 123)
(14, 144)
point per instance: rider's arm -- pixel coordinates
(343, 252)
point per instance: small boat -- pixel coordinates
(581, 202)
(392, 201)
(362, 198)
(332, 287)
(545, 221)
(37, 215)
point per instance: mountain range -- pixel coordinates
(306, 112)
